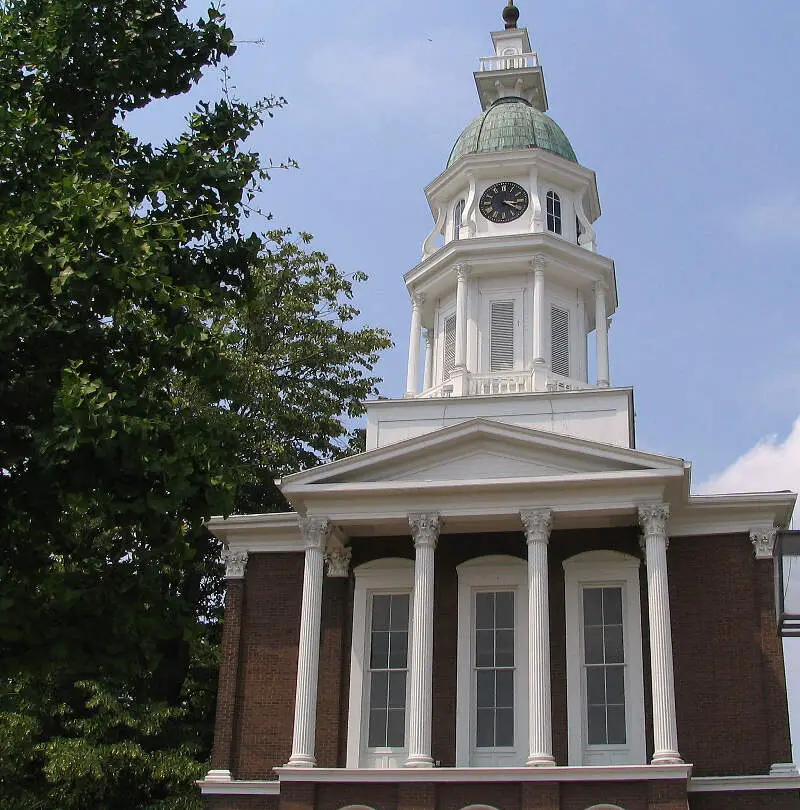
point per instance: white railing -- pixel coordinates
(503, 383)
(515, 62)
(443, 390)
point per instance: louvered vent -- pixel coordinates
(449, 346)
(559, 340)
(502, 336)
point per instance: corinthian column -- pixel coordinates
(653, 520)
(601, 334)
(462, 274)
(539, 263)
(315, 531)
(538, 523)
(425, 532)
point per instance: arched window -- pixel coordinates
(458, 217)
(553, 212)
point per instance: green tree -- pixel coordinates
(160, 363)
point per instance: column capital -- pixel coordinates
(600, 286)
(463, 271)
(315, 531)
(763, 541)
(538, 524)
(235, 563)
(653, 518)
(539, 262)
(425, 528)
(337, 558)
(417, 300)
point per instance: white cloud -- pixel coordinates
(769, 466)
(774, 218)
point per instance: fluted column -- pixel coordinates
(413, 345)
(425, 533)
(538, 523)
(653, 520)
(428, 373)
(601, 334)
(315, 531)
(539, 263)
(462, 274)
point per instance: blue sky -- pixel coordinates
(687, 111)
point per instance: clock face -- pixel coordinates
(504, 201)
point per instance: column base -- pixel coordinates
(301, 761)
(219, 775)
(666, 758)
(419, 761)
(540, 761)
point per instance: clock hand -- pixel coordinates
(513, 204)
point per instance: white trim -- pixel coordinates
(600, 568)
(239, 787)
(386, 574)
(714, 784)
(491, 572)
(615, 773)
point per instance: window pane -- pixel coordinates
(484, 737)
(484, 648)
(597, 725)
(505, 727)
(595, 686)
(381, 607)
(593, 645)
(593, 606)
(377, 728)
(505, 610)
(399, 617)
(615, 685)
(504, 650)
(397, 690)
(379, 654)
(484, 610)
(614, 653)
(398, 654)
(379, 690)
(396, 728)
(616, 725)
(505, 688)
(485, 689)
(612, 605)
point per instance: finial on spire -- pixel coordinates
(510, 15)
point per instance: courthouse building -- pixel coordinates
(504, 603)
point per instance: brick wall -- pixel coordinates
(731, 700)
(746, 800)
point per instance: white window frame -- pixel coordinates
(604, 569)
(491, 573)
(487, 297)
(388, 575)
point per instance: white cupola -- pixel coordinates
(510, 285)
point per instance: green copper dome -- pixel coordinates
(512, 123)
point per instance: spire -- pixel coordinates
(510, 15)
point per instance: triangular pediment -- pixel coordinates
(478, 450)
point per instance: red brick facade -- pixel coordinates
(729, 678)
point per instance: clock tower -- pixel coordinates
(511, 296)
